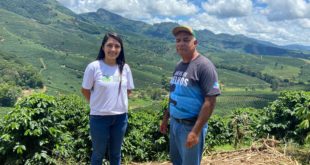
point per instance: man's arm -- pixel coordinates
(86, 93)
(204, 115)
(164, 123)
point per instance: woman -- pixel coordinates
(107, 82)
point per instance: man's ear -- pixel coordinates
(196, 42)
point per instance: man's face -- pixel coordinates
(185, 44)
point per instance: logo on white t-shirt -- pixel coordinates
(107, 78)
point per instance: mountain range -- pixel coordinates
(66, 42)
(208, 39)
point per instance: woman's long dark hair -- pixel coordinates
(120, 60)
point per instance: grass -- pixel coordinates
(300, 153)
(229, 147)
(137, 103)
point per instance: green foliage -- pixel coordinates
(150, 93)
(17, 73)
(9, 94)
(303, 112)
(143, 141)
(165, 83)
(43, 129)
(4, 111)
(164, 104)
(75, 118)
(242, 124)
(218, 132)
(30, 133)
(284, 116)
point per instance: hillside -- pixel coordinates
(68, 43)
(37, 31)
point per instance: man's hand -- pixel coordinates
(164, 126)
(192, 139)
(203, 117)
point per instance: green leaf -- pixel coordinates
(19, 148)
(304, 124)
(6, 137)
(15, 126)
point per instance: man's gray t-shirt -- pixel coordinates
(190, 84)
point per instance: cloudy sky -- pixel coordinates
(279, 21)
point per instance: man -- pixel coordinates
(193, 90)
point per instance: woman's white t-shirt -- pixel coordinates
(103, 82)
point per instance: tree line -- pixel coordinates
(16, 76)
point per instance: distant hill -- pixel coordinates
(105, 18)
(297, 47)
(44, 11)
(207, 38)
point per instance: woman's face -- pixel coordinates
(111, 49)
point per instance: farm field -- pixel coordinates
(229, 101)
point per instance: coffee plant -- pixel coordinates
(283, 118)
(43, 129)
(218, 132)
(143, 141)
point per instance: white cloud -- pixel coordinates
(135, 9)
(159, 20)
(254, 18)
(305, 23)
(278, 10)
(172, 7)
(228, 8)
(205, 21)
(255, 26)
(236, 25)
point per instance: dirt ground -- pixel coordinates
(267, 156)
(249, 157)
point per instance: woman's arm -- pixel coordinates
(86, 93)
(128, 92)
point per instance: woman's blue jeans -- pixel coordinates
(179, 153)
(107, 132)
